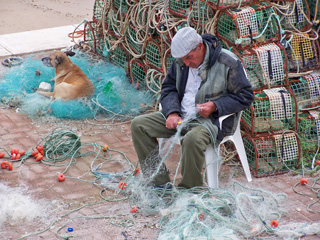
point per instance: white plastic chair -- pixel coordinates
(212, 166)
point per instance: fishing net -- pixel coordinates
(18, 207)
(113, 97)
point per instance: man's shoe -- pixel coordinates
(165, 186)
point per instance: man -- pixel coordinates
(203, 83)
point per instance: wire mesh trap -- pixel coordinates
(90, 34)
(226, 4)
(98, 10)
(266, 66)
(154, 80)
(309, 129)
(314, 10)
(272, 110)
(272, 154)
(201, 13)
(294, 15)
(121, 5)
(307, 90)
(136, 48)
(154, 53)
(138, 72)
(303, 52)
(113, 25)
(168, 59)
(120, 57)
(250, 25)
(179, 8)
(93, 37)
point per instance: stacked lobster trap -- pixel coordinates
(277, 42)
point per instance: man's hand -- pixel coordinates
(173, 120)
(205, 109)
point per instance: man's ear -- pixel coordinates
(70, 53)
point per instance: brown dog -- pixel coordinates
(70, 81)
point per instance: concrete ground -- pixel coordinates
(79, 204)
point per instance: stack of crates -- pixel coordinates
(276, 41)
(253, 32)
(301, 42)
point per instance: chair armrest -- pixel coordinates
(223, 118)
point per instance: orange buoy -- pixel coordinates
(39, 157)
(104, 148)
(136, 172)
(134, 209)
(274, 223)
(122, 185)
(303, 181)
(14, 150)
(39, 148)
(6, 164)
(61, 177)
(34, 153)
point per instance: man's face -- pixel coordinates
(195, 57)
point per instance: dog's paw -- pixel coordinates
(44, 86)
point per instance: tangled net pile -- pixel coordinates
(114, 96)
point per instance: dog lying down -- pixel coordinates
(70, 82)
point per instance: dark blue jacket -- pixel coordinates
(224, 82)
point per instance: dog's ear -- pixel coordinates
(70, 53)
(58, 60)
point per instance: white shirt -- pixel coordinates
(188, 107)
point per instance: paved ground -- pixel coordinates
(95, 219)
(17, 131)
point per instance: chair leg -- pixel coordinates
(238, 142)
(212, 167)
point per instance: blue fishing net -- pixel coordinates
(114, 95)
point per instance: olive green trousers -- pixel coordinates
(146, 129)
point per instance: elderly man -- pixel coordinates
(203, 83)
